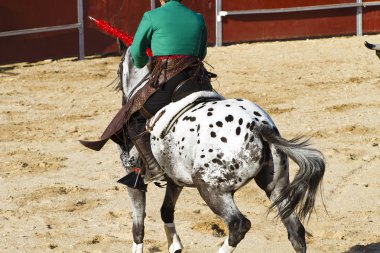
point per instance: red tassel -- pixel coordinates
(127, 39)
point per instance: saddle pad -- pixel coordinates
(160, 124)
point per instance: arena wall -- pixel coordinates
(126, 14)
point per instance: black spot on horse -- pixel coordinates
(211, 126)
(209, 114)
(198, 127)
(239, 99)
(173, 130)
(238, 130)
(284, 163)
(198, 141)
(246, 137)
(210, 109)
(229, 118)
(201, 107)
(219, 156)
(251, 139)
(265, 122)
(192, 130)
(210, 150)
(248, 125)
(252, 125)
(242, 107)
(182, 147)
(223, 139)
(183, 138)
(220, 180)
(219, 124)
(192, 119)
(217, 161)
(257, 119)
(213, 134)
(232, 167)
(240, 121)
(257, 113)
(202, 156)
(228, 105)
(206, 165)
(240, 179)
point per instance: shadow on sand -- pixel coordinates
(369, 248)
(5, 70)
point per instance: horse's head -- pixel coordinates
(131, 78)
(375, 47)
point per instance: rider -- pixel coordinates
(178, 39)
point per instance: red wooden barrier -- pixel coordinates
(126, 15)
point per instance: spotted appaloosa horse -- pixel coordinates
(217, 147)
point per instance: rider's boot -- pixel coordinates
(141, 139)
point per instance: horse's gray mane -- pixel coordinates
(131, 78)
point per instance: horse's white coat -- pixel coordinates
(215, 139)
(161, 122)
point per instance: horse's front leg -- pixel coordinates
(129, 158)
(138, 200)
(167, 215)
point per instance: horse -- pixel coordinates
(375, 47)
(217, 147)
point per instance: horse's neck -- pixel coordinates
(133, 78)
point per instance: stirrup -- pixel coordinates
(134, 180)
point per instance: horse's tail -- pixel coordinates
(300, 195)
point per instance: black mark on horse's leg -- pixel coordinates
(138, 203)
(171, 195)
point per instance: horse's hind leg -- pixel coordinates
(138, 203)
(223, 204)
(167, 215)
(273, 179)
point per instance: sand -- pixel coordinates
(57, 196)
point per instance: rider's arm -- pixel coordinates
(203, 45)
(141, 42)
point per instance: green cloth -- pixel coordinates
(172, 29)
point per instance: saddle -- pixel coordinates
(162, 71)
(161, 123)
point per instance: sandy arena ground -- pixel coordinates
(57, 196)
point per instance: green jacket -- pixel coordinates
(172, 29)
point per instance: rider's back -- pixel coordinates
(172, 29)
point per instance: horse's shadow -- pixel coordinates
(5, 71)
(369, 248)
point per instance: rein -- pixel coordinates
(138, 85)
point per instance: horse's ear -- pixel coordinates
(122, 47)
